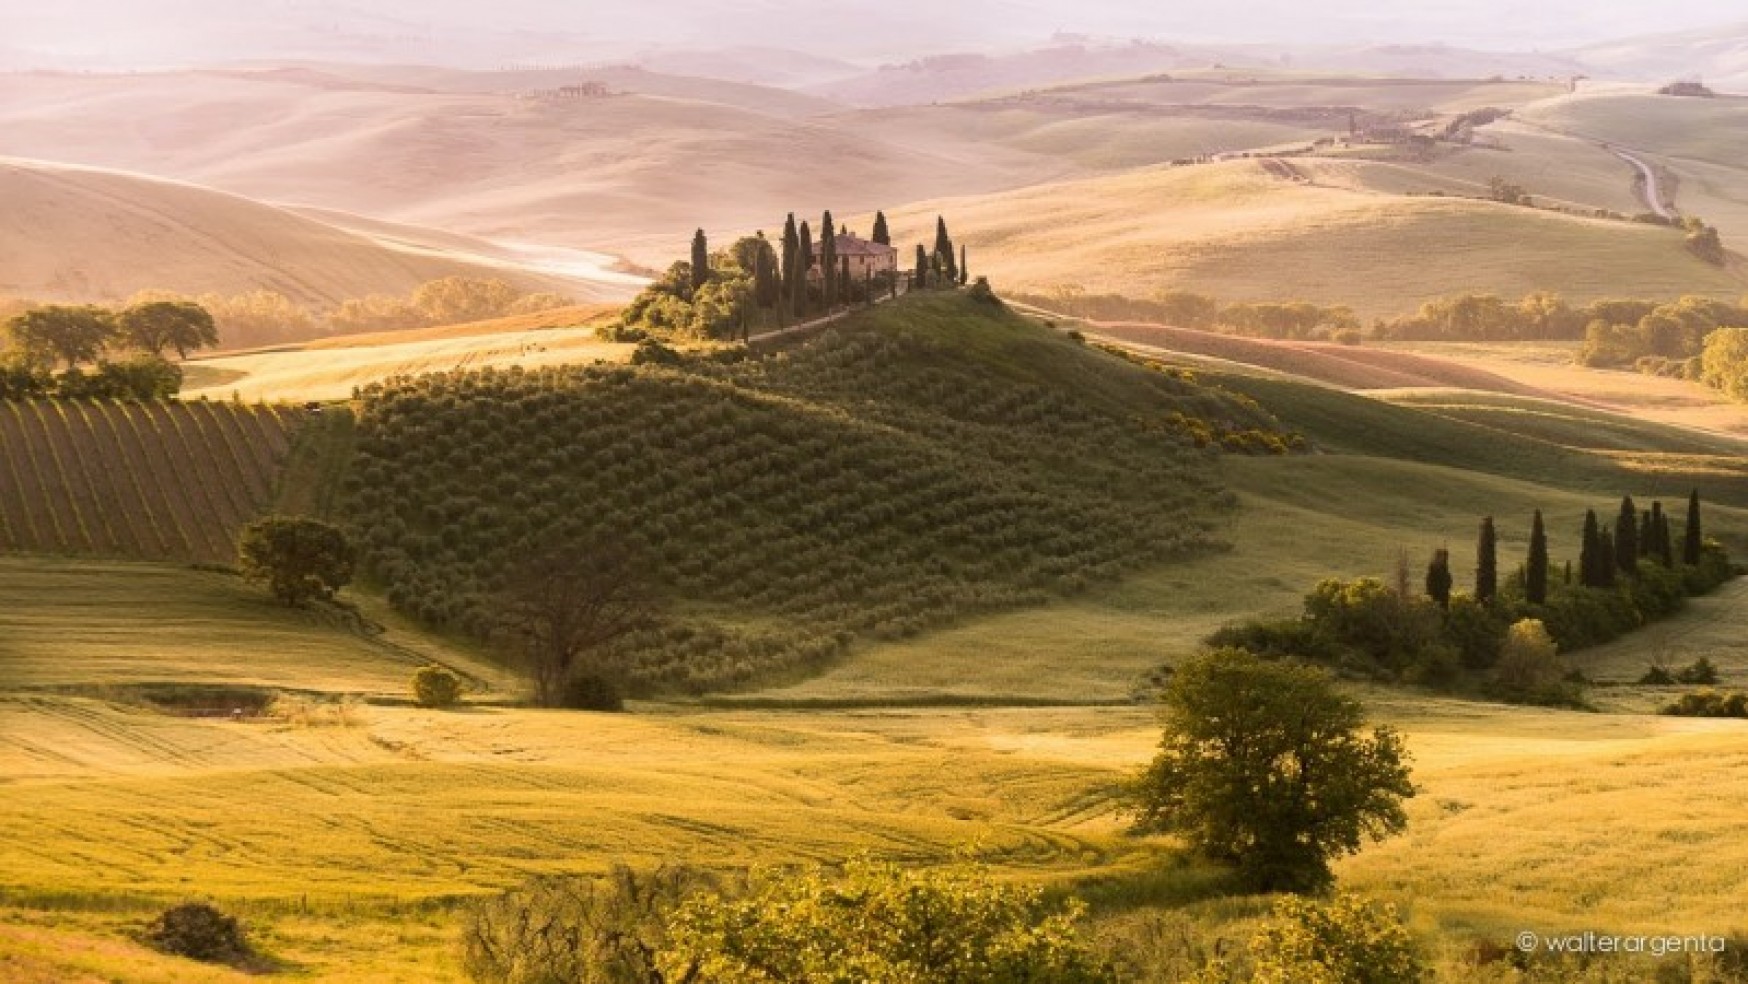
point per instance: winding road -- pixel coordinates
(1653, 193)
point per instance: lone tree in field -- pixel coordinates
(297, 557)
(59, 333)
(1692, 539)
(1626, 538)
(1487, 562)
(564, 606)
(881, 234)
(964, 267)
(1264, 765)
(157, 325)
(1438, 578)
(1535, 575)
(700, 260)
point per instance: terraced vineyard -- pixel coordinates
(160, 481)
(933, 459)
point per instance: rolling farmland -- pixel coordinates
(158, 481)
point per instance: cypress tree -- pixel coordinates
(1438, 578)
(881, 235)
(764, 276)
(1691, 541)
(791, 251)
(1647, 534)
(803, 263)
(1626, 538)
(700, 260)
(1590, 556)
(1605, 561)
(1659, 547)
(944, 250)
(828, 259)
(1535, 575)
(964, 268)
(1487, 562)
(1568, 580)
(922, 266)
(844, 280)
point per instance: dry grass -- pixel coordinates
(333, 370)
(1232, 231)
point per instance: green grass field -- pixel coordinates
(347, 841)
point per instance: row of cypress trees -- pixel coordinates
(1604, 555)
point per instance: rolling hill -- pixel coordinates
(1234, 231)
(84, 234)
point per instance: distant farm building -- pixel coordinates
(866, 258)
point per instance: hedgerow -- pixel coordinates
(879, 482)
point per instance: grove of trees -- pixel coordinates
(101, 354)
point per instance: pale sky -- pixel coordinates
(150, 33)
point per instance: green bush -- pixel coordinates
(1345, 940)
(1700, 671)
(1709, 703)
(436, 686)
(198, 931)
(593, 692)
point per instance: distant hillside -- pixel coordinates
(153, 481)
(1717, 56)
(1237, 232)
(81, 234)
(923, 462)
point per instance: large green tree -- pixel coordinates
(298, 558)
(58, 333)
(157, 325)
(1265, 765)
(1535, 572)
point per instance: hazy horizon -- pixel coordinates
(161, 33)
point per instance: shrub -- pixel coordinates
(1657, 676)
(1709, 703)
(1346, 940)
(1700, 671)
(198, 931)
(588, 691)
(436, 686)
(1530, 670)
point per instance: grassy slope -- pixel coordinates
(420, 804)
(1232, 231)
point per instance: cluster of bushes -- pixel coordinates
(877, 923)
(1711, 704)
(1184, 309)
(1699, 671)
(1507, 635)
(1257, 433)
(124, 350)
(882, 480)
(141, 378)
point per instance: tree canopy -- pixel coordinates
(1264, 765)
(299, 558)
(157, 325)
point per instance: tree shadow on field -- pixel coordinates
(1171, 878)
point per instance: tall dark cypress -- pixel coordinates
(1535, 574)
(1605, 565)
(791, 250)
(700, 260)
(844, 281)
(764, 275)
(1487, 562)
(1438, 578)
(1590, 557)
(922, 266)
(1656, 545)
(1626, 538)
(803, 263)
(964, 268)
(1691, 539)
(944, 250)
(881, 234)
(828, 259)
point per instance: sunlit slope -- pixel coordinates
(1234, 231)
(92, 235)
(145, 480)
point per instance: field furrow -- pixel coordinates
(137, 436)
(59, 488)
(152, 539)
(90, 478)
(196, 504)
(18, 524)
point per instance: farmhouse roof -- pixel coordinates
(849, 244)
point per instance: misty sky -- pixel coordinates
(150, 33)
